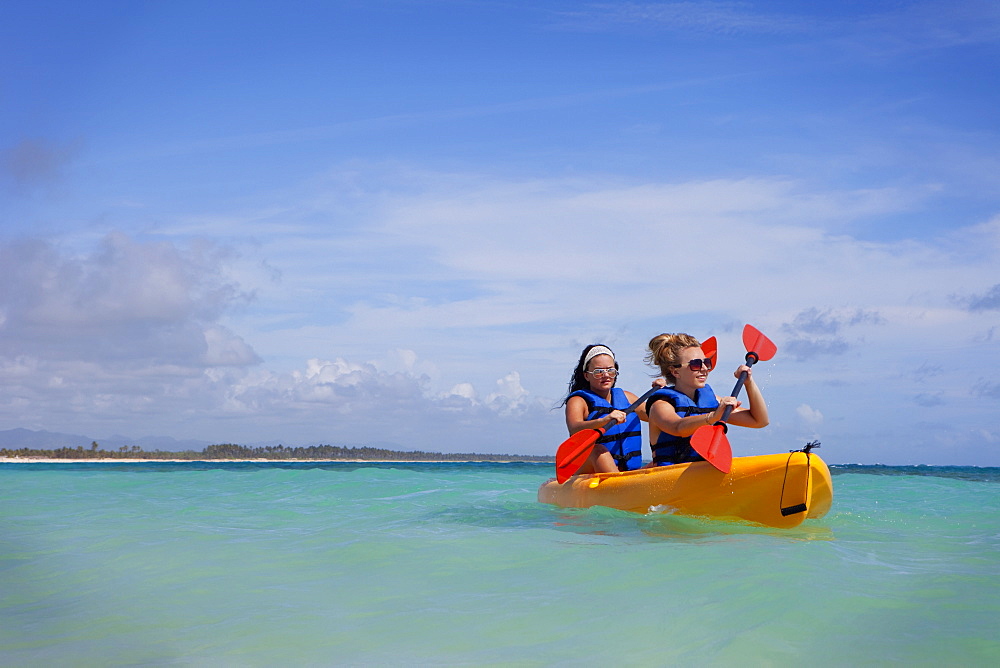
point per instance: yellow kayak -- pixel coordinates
(774, 490)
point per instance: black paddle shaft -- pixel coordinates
(751, 359)
(638, 402)
(631, 408)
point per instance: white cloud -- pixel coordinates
(128, 301)
(126, 330)
(463, 390)
(223, 348)
(809, 415)
(464, 288)
(509, 397)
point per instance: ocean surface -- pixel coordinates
(253, 564)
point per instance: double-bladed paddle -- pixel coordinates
(575, 450)
(710, 441)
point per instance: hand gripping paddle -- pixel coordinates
(710, 441)
(575, 450)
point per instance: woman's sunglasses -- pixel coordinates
(696, 364)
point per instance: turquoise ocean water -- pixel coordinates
(457, 564)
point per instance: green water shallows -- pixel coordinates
(269, 564)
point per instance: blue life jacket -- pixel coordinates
(623, 441)
(670, 449)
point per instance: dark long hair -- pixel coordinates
(579, 381)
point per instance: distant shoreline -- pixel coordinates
(122, 460)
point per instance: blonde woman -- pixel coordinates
(675, 413)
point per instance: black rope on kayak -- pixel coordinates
(811, 445)
(799, 507)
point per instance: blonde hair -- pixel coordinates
(665, 351)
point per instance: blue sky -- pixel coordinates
(399, 222)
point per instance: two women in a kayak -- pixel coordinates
(674, 412)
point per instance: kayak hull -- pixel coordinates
(773, 490)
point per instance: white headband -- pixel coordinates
(594, 352)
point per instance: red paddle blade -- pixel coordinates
(574, 452)
(711, 349)
(759, 344)
(711, 443)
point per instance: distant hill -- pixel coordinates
(26, 438)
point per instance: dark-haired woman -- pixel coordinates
(675, 413)
(594, 402)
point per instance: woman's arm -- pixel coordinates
(576, 417)
(755, 414)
